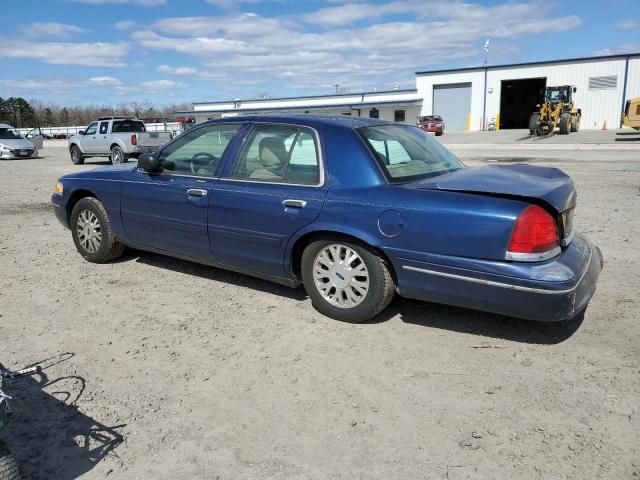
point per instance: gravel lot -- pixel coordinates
(159, 368)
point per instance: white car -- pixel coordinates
(14, 145)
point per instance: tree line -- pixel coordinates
(18, 112)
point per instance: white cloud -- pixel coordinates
(50, 29)
(105, 81)
(159, 85)
(619, 49)
(627, 25)
(177, 70)
(125, 25)
(229, 4)
(144, 3)
(96, 54)
(344, 46)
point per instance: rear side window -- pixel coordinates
(279, 154)
(126, 126)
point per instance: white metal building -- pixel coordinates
(395, 105)
(470, 98)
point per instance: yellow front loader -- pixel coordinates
(558, 110)
(631, 116)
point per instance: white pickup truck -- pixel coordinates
(118, 138)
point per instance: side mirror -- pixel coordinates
(149, 162)
(81, 132)
(575, 89)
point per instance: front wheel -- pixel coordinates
(8, 465)
(565, 123)
(92, 233)
(76, 155)
(346, 281)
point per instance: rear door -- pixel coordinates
(274, 188)
(102, 138)
(168, 211)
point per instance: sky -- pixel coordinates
(109, 52)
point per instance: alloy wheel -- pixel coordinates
(341, 276)
(89, 231)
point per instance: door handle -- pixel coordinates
(197, 192)
(294, 203)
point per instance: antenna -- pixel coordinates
(486, 51)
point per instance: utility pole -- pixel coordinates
(337, 85)
(486, 52)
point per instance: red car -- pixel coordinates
(432, 123)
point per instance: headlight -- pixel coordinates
(59, 188)
(4, 148)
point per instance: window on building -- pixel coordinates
(399, 116)
(374, 113)
(603, 83)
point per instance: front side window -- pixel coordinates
(91, 129)
(407, 153)
(198, 151)
(281, 154)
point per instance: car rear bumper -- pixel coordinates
(555, 290)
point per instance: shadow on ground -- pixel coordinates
(429, 315)
(48, 435)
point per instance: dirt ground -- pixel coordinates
(162, 369)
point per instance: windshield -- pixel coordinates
(407, 153)
(430, 118)
(120, 126)
(558, 94)
(9, 134)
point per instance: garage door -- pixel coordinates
(453, 103)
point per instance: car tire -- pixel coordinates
(352, 293)
(533, 123)
(118, 156)
(76, 155)
(575, 126)
(92, 232)
(8, 465)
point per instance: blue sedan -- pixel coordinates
(354, 209)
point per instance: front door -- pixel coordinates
(168, 211)
(275, 187)
(89, 138)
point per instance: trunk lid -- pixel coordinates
(550, 185)
(547, 185)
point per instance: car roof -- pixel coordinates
(309, 120)
(4, 125)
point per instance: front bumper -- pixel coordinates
(16, 154)
(555, 290)
(57, 202)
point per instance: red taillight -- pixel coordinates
(535, 231)
(134, 139)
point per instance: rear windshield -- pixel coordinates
(9, 134)
(430, 118)
(407, 153)
(124, 126)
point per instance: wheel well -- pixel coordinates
(302, 242)
(74, 198)
(115, 145)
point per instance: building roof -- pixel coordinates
(527, 64)
(351, 94)
(310, 120)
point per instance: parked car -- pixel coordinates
(14, 145)
(355, 209)
(118, 138)
(432, 123)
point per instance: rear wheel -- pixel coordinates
(8, 465)
(533, 123)
(565, 124)
(76, 155)
(346, 281)
(575, 126)
(118, 156)
(92, 233)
